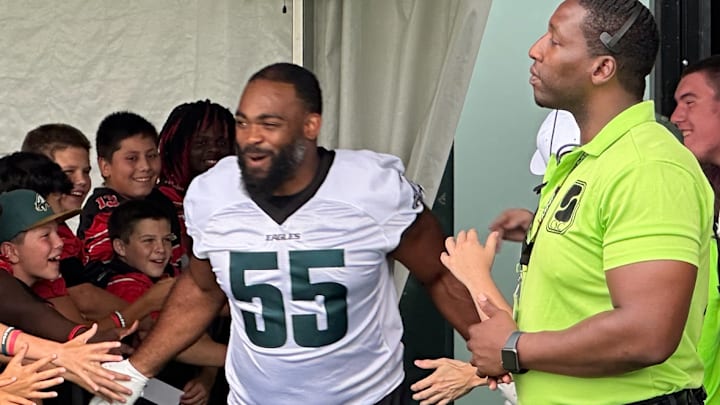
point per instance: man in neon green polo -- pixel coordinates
(697, 115)
(615, 268)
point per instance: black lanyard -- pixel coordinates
(529, 243)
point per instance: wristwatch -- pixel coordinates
(509, 354)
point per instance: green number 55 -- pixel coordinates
(305, 326)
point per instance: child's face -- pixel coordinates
(75, 162)
(134, 168)
(206, 148)
(149, 247)
(37, 255)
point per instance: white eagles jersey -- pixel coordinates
(314, 309)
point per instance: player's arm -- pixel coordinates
(419, 250)
(191, 306)
(204, 352)
(650, 303)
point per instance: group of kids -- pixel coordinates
(118, 269)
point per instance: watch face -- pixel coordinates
(510, 360)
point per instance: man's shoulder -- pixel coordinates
(364, 159)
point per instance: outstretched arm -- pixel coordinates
(189, 309)
(419, 250)
(471, 263)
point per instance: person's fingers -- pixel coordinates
(450, 244)
(423, 384)
(48, 374)
(16, 400)
(41, 385)
(109, 395)
(492, 241)
(88, 334)
(7, 381)
(129, 331)
(446, 260)
(481, 302)
(428, 363)
(472, 235)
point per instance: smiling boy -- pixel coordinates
(129, 163)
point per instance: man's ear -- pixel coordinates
(311, 126)
(119, 247)
(10, 252)
(604, 69)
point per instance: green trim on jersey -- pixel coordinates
(637, 195)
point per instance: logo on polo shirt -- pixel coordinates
(564, 215)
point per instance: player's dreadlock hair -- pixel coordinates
(177, 134)
(710, 67)
(306, 84)
(635, 51)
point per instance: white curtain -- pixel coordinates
(394, 76)
(75, 61)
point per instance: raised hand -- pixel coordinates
(83, 360)
(29, 381)
(451, 380)
(471, 262)
(512, 224)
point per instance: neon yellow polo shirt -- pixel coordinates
(635, 195)
(709, 346)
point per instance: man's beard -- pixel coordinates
(282, 167)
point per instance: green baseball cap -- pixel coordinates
(22, 210)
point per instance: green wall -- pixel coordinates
(496, 138)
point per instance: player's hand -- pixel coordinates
(136, 383)
(451, 380)
(512, 224)
(29, 381)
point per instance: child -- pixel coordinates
(77, 302)
(29, 243)
(142, 242)
(129, 164)
(38, 173)
(69, 148)
(194, 138)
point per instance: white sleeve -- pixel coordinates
(392, 199)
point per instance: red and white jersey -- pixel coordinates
(314, 308)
